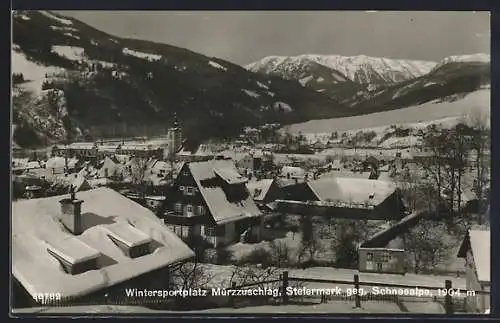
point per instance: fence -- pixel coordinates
(453, 300)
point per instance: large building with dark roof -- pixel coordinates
(210, 199)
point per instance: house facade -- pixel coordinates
(210, 200)
(381, 260)
(475, 249)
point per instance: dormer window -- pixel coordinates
(133, 242)
(75, 256)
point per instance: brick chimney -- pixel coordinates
(71, 211)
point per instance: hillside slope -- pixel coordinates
(453, 78)
(370, 84)
(450, 107)
(79, 82)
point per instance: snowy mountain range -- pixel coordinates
(373, 84)
(471, 58)
(360, 69)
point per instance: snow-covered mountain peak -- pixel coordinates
(470, 58)
(361, 68)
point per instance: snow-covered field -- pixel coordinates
(217, 65)
(60, 20)
(70, 52)
(330, 307)
(251, 93)
(65, 28)
(148, 56)
(417, 114)
(33, 73)
(262, 85)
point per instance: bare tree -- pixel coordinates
(310, 244)
(281, 254)
(425, 245)
(434, 166)
(481, 139)
(447, 165)
(344, 234)
(191, 276)
(257, 277)
(138, 170)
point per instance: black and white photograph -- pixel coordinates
(250, 162)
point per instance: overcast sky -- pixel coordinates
(243, 37)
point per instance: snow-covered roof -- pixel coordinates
(21, 162)
(73, 250)
(35, 224)
(80, 145)
(78, 181)
(112, 165)
(345, 174)
(108, 147)
(204, 150)
(127, 234)
(284, 182)
(293, 171)
(230, 176)
(220, 207)
(60, 162)
(258, 189)
(32, 165)
(352, 190)
(122, 158)
(138, 146)
(384, 168)
(480, 245)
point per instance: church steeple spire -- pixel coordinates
(176, 122)
(174, 136)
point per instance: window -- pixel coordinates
(209, 231)
(181, 188)
(379, 266)
(181, 230)
(201, 210)
(189, 190)
(189, 209)
(369, 256)
(178, 207)
(386, 256)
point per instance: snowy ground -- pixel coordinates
(72, 53)
(422, 113)
(218, 272)
(330, 307)
(33, 73)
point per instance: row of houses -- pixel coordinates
(212, 196)
(209, 200)
(95, 150)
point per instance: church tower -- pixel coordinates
(174, 137)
